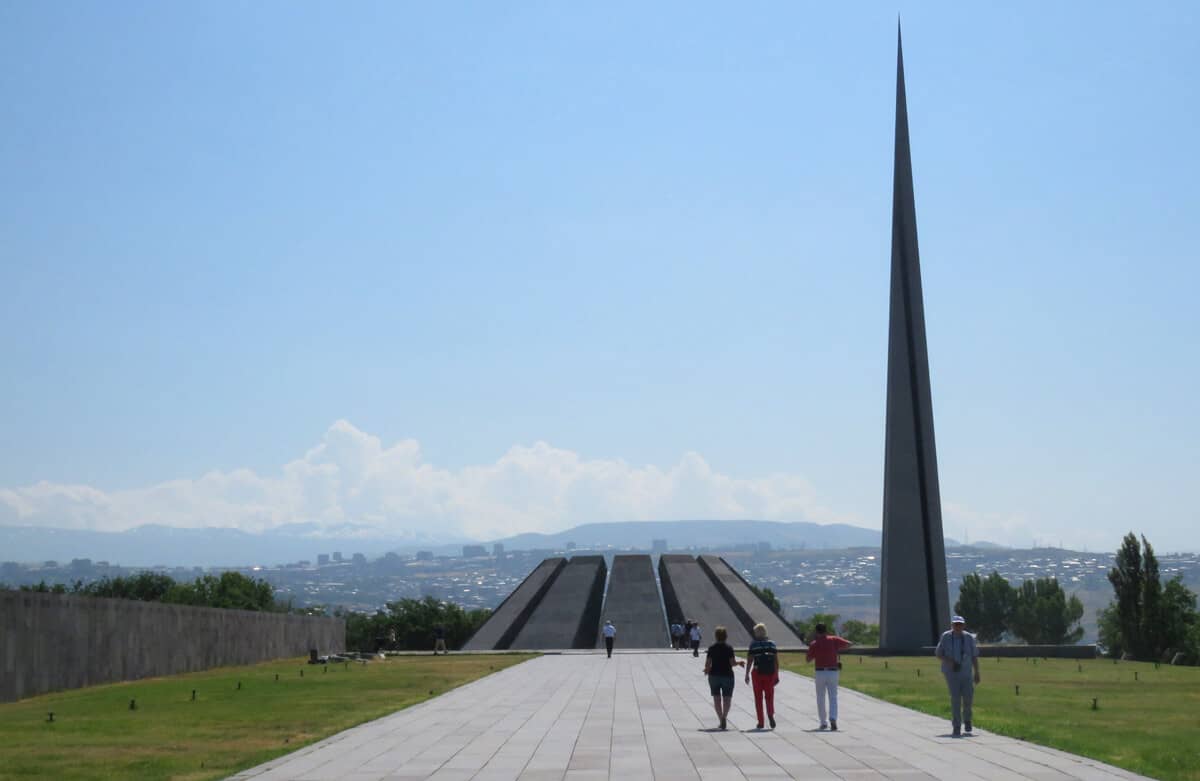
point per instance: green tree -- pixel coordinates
(988, 605)
(1180, 620)
(860, 632)
(230, 590)
(1045, 615)
(1128, 578)
(768, 596)
(805, 626)
(145, 586)
(409, 625)
(1146, 619)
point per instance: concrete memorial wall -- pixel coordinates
(633, 605)
(690, 594)
(569, 613)
(747, 605)
(506, 621)
(50, 642)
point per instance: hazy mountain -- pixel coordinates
(700, 534)
(151, 545)
(148, 546)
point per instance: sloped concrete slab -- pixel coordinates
(569, 613)
(507, 620)
(634, 606)
(691, 595)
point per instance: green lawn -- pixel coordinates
(95, 735)
(1147, 720)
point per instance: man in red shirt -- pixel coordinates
(823, 649)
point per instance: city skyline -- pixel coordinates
(516, 270)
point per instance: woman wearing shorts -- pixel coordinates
(718, 666)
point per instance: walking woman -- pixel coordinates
(762, 667)
(718, 666)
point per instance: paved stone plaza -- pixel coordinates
(648, 715)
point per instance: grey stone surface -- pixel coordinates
(914, 601)
(567, 616)
(648, 715)
(50, 642)
(690, 594)
(747, 605)
(633, 605)
(507, 620)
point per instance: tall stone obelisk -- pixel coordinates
(914, 604)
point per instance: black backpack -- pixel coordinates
(764, 660)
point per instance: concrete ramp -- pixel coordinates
(633, 605)
(569, 614)
(506, 621)
(746, 604)
(689, 593)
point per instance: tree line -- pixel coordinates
(1038, 612)
(231, 590)
(1147, 619)
(410, 624)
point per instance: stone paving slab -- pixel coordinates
(582, 717)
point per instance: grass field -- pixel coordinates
(1146, 720)
(95, 735)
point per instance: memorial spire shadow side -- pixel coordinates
(914, 601)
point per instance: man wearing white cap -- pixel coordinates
(960, 656)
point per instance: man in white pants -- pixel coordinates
(823, 649)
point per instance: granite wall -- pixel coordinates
(50, 642)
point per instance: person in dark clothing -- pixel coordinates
(718, 666)
(439, 640)
(610, 634)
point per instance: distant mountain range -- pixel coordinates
(148, 546)
(699, 534)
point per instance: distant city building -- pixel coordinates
(658, 546)
(472, 551)
(498, 549)
(322, 559)
(360, 558)
(424, 555)
(337, 555)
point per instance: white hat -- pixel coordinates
(957, 620)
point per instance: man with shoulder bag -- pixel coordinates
(960, 665)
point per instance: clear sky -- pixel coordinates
(517, 266)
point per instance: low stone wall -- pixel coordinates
(50, 642)
(1014, 651)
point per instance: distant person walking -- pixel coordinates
(676, 635)
(823, 649)
(439, 639)
(762, 665)
(694, 636)
(610, 635)
(718, 666)
(960, 664)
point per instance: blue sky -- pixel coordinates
(502, 268)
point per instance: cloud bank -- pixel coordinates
(350, 477)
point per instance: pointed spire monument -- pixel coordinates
(914, 607)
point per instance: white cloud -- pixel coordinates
(351, 477)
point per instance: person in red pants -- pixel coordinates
(763, 667)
